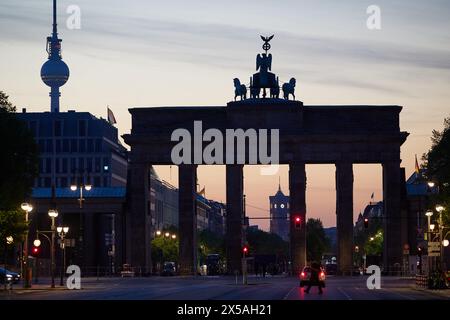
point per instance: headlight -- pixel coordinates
(9, 276)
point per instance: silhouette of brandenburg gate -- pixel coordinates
(341, 135)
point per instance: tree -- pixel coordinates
(164, 249)
(210, 243)
(374, 245)
(265, 243)
(19, 160)
(437, 166)
(316, 241)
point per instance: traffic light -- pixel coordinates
(245, 250)
(297, 221)
(366, 223)
(35, 251)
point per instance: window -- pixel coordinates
(48, 165)
(73, 145)
(41, 165)
(58, 145)
(47, 182)
(97, 182)
(49, 145)
(105, 181)
(64, 165)
(89, 165)
(90, 145)
(82, 128)
(58, 129)
(97, 165)
(275, 205)
(65, 143)
(64, 183)
(41, 144)
(57, 165)
(73, 165)
(98, 145)
(82, 145)
(81, 164)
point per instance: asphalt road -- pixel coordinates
(225, 288)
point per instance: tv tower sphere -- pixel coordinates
(54, 72)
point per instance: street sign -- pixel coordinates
(434, 244)
(434, 254)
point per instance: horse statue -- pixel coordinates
(240, 90)
(289, 88)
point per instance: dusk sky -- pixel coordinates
(162, 53)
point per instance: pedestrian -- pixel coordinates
(314, 278)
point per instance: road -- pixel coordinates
(225, 288)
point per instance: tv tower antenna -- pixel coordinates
(54, 72)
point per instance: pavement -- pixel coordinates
(224, 288)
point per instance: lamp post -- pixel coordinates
(81, 187)
(26, 283)
(9, 240)
(62, 231)
(439, 209)
(53, 213)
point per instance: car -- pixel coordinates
(305, 277)
(168, 269)
(331, 268)
(10, 276)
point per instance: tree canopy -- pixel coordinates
(18, 168)
(317, 243)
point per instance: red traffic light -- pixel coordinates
(245, 250)
(297, 221)
(35, 251)
(366, 223)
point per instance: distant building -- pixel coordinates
(217, 217)
(163, 203)
(373, 211)
(77, 148)
(279, 214)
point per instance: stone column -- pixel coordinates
(297, 208)
(138, 220)
(235, 217)
(187, 205)
(344, 216)
(392, 253)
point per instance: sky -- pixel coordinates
(164, 53)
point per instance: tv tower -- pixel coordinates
(54, 71)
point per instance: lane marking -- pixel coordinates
(346, 295)
(287, 295)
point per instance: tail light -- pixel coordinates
(302, 274)
(322, 274)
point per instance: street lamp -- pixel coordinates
(432, 226)
(167, 234)
(431, 184)
(439, 209)
(174, 236)
(9, 240)
(158, 233)
(372, 238)
(27, 208)
(53, 213)
(445, 243)
(82, 186)
(62, 231)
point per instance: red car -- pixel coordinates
(305, 277)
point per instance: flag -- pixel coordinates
(202, 192)
(373, 195)
(111, 118)
(417, 169)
